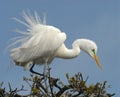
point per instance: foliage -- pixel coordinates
(47, 86)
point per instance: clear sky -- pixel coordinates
(98, 20)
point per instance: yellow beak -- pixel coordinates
(97, 61)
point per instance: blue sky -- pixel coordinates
(98, 20)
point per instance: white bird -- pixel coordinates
(41, 43)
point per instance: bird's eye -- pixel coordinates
(93, 50)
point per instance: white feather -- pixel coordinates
(42, 40)
(41, 43)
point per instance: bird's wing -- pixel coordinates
(40, 41)
(39, 45)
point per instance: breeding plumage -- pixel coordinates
(42, 43)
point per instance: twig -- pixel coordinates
(62, 90)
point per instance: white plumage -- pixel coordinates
(41, 43)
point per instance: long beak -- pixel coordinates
(97, 61)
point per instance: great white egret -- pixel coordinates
(41, 43)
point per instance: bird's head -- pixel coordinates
(91, 48)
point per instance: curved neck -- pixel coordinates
(64, 52)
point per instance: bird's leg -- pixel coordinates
(44, 72)
(31, 70)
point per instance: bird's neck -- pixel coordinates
(64, 52)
